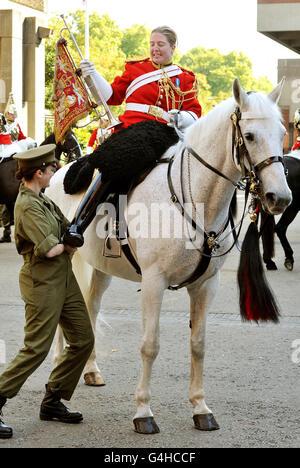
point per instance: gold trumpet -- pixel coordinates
(90, 86)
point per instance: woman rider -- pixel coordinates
(153, 89)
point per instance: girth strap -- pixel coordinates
(128, 254)
(201, 267)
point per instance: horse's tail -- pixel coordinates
(256, 298)
(78, 177)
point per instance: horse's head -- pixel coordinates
(261, 129)
(71, 147)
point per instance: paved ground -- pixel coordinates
(251, 372)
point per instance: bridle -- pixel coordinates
(239, 149)
(249, 183)
(70, 146)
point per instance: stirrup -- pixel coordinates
(107, 247)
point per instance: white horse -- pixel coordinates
(167, 261)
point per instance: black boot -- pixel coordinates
(53, 409)
(73, 236)
(5, 431)
(97, 193)
(5, 238)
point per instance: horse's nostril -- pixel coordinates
(271, 198)
(277, 204)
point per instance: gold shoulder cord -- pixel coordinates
(175, 94)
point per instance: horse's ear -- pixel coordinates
(239, 94)
(276, 93)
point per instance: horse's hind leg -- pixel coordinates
(281, 227)
(99, 283)
(92, 283)
(200, 298)
(152, 294)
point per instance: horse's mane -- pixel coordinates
(213, 119)
(259, 104)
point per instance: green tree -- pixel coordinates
(105, 42)
(263, 84)
(105, 47)
(220, 71)
(205, 97)
(135, 41)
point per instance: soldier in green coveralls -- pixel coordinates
(50, 292)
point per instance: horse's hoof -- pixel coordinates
(93, 379)
(271, 266)
(205, 422)
(146, 426)
(289, 264)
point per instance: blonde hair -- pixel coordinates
(169, 33)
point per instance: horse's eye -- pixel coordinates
(249, 136)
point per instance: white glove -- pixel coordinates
(30, 143)
(87, 68)
(89, 150)
(185, 118)
(98, 86)
(25, 144)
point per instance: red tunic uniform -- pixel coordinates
(5, 139)
(92, 141)
(97, 138)
(15, 132)
(297, 144)
(142, 83)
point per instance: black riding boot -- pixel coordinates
(5, 238)
(5, 431)
(97, 193)
(53, 409)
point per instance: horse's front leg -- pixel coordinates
(152, 294)
(200, 301)
(281, 228)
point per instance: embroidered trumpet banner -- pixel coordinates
(71, 101)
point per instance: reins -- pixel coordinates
(249, 183)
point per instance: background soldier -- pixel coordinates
(297, 130)
(5, 222)
(99, 135)
(12, 125)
